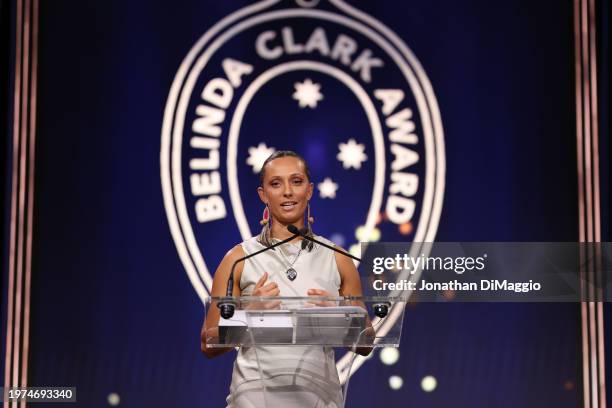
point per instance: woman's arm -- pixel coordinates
(351, 286)
(261, 288)
(210, 327)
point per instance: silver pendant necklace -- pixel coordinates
(290, 272)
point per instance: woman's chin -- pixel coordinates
(287, 219)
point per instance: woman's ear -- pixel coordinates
(262, 195)
(310, 190)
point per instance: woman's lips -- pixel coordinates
(289, 205)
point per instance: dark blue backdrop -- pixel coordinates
(114, 311)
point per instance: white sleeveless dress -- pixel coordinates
(296, 376)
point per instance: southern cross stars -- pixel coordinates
(327, 189)
(307, 93)
(351, 154)
(258, 155)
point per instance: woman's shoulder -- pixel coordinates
(233, 253)
(251, 245)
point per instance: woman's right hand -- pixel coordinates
(265, 290)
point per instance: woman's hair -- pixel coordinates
(278, 154)
(265, 237)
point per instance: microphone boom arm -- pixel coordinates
(294, 230)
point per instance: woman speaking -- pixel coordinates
(293, 376)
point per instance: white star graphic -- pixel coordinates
(351, 154)
(258, 155)
(307, 93)
(327, 189)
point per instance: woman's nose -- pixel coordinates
(288, 191)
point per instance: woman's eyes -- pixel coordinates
(296, 181)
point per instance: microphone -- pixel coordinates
(227, 305)
(381, 309)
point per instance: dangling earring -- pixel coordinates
(266, 221)
(265, 218)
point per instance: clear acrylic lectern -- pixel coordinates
(350, 322)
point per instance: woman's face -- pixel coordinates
(286, 189)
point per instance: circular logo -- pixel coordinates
(325, 80)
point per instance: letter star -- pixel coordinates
(327, 189)
(307, 93)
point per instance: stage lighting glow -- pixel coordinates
(406, 228)
(429, 383)
(449, 294)
(381, 217)
(389, 355)
(113, 399)
(355, 250)
(396, 382)
(361, 236)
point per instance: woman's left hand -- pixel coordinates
(322, 293)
